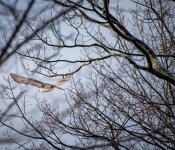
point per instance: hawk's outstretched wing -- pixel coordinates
(58, 83)
(25, 80)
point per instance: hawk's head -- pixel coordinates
(46, 88)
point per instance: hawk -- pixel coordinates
(43, 87)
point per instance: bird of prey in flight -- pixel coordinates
(43, 87)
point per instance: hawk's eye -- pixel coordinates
(42, 85)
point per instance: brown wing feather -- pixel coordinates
(25, 80)
(57, 84)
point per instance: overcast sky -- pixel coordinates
(55, 97)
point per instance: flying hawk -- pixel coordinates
(43, 87)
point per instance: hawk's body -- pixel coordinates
(43, 87)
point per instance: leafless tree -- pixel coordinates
(127, 101)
